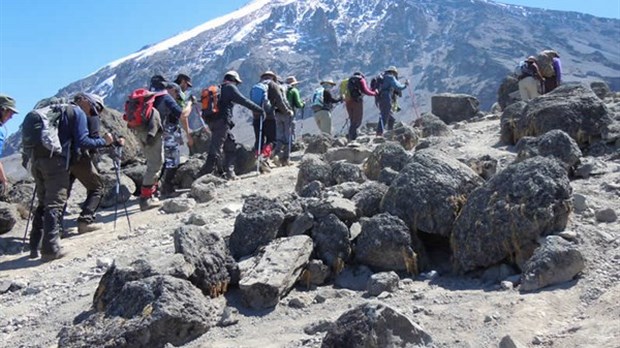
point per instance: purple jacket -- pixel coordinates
(557, 67)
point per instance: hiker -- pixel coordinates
(553, 82)
(83, 166)
(51, 139)
(184, 82)
(222, 139)
(322, 105)
(295, 102)
(284, 122)
(7, 110)
(268, 95)
(389, 89)
(529, 79)
(354, 101)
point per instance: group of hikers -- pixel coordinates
(60, 137)
(539, 74)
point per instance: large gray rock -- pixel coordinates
(573, 108)
(343, 208)
(405, 135)
(388, 155)
(317, 143)
(386, 244)
(178, 205)
(188, 172)
(275, 271)
(112, 122)
(600, 88)
(430, 191)
(375, 325)
(382, 282)
(512, 123)
(126, 190)
(432, 125)
(207, 251)
(313, 168)
(555, 143)
(452, 108)
(204, 188)
(136, 173)
(245, 160)
(503, 218)
(8, 217)
(347, 189)
(347, 172)
(20, 194)
(355, 155)
(556, 261)
(331, 242)
(202, 141)
(508, 92)
(368, 199)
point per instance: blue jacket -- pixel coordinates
(2, 137)
(390, 83)
(75, 132)
(169, 109)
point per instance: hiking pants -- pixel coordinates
(84, 170)
(52, 180)
(222, 148)
(323, 120)
(528, 88)
(551, 83)
(283, 135)
(387, 116)
(154, 154)
(355, 109)
(269, 132)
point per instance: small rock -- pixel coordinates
(319, 298)
(568, 235)
(509, 342)
(297, 302)
(488, 319)
(429, 275)
(514, 279)
(197, 219)
(606, 215)
(537, 341)
(229, 317)
(104, 262)
(384, 295)
(31, 291)
(232, 208)
(354, 278)
(580, 203)
(178, 205)
(5, 285)
(18, 285)
(316, 327)
(382, 282)
(506, 285)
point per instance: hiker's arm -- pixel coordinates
(296, 99)
(365, 89)
(329, 99)
(174, 107)
(185, 122)
(80, 132)
(537, 72)
(240, 99)
(397, 85)
(275, 94)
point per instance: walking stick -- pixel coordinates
(117, 168)
(34, 194)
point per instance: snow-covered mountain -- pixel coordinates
(464, 46)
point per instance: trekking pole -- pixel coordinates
(346, 122)
(34, 194)
(117, 168)
(260, 143)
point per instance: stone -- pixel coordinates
(316, 273)
(431, 125)
(508, 92)
(126, 190)
(178, 205)
(20, 195)
(136, 173)
(187, 172)
(112, 122)
(312, 189)
(375, 325)
(511, 123)
(383, 281)
(452, 108)
(368, 199)
(317, 143)
(580, 203)
(256, 225)
(245, 160)
(202, 141)
(8, 217)
(5, 285)
(197, 219)
(346, 189)
(275, 271)
(331, 242)
(497, 273)
(347, 172)
(355, 155)
(387, 155)
(430, 192)
(606, 215)
(509, 342)
(313, 168)
(503, 218)
(207, 252)
(569, 235)
(104, 262)
(405, 135)
(555, 143)
(485, 166)
(506, 285)
(319, 326)
(600, 88)
(386, 244)
(387, 175)
(204, 188)
(343, 208)
(230, 316)
(301, 225)
(556, 261)
(354, 278)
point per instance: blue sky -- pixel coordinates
(47, 44)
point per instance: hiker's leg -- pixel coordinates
(36, 233)
(279, 135)
(230, 150)
(286, 137)
(269, 131)
(356, 111)
(154, 154)
(219, 130)
(523, 92)
(56, 183)
(531, 84)
(385, 107)
(84, 170)
(257, 135)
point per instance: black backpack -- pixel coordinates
(354, 86)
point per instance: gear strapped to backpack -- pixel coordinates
(40, 130)
(209, 100)
(545, 63)
(318, 103)
(259, 95)
(344, 88)
(354, 87)
(139, 107)
(375, 84)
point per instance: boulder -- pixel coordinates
(178, 205)
(512, 123)
(300, 225)
(313, 189)
(502, 219)
(508, 92)
(8, 217)
(387, 175)
(187, 172)
(331, 242)
(275, 271)
(573, 108)
(375, 325)
(385, 244)
(343, 208)
(432, 125)
(20, 194)
(452, 108)
(136, 173)
(126, 190)
(202, 141)
(204, 188)
(347, 189)
(387, 155)
(405, 135)
(315, 273)
(317, 143)
(311, 168)
(600, 88)
(245, 160)
(207, 251)
(485, 166)
(556, 261)
(430, 191)
(354, 278)
(368, 199)
(382, 282)
(112, 122)
(355, 155)
(606, 215)
(347, 172)
(555, 143)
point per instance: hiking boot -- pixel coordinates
(264, 167)
(34, 253)
(149, 203)
(230, 175)
(51, 257)
(85, 227)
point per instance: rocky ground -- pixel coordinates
(472, 310)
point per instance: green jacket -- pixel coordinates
(293, 98)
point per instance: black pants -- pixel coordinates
(84, 170)
(222, 148)
(269, 132)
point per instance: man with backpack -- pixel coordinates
(388, 87)
(354, 101)
(222, 140)
(555, 77)
(284, 122)
(51, 139)
(529, 78)
(7, 110)
(322, 105)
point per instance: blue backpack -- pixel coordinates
(259, 95)
(318, 103)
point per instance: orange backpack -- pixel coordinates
(209, 98)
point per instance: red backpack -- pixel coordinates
(139, 107)
(209, 99)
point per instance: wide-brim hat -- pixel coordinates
(269, 73)
(182, 77)
(392, 69)
(8, 103)
(291, 80)
(158, 82)
(328, 82)
(234, 75)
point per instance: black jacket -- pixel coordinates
(229, 96)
